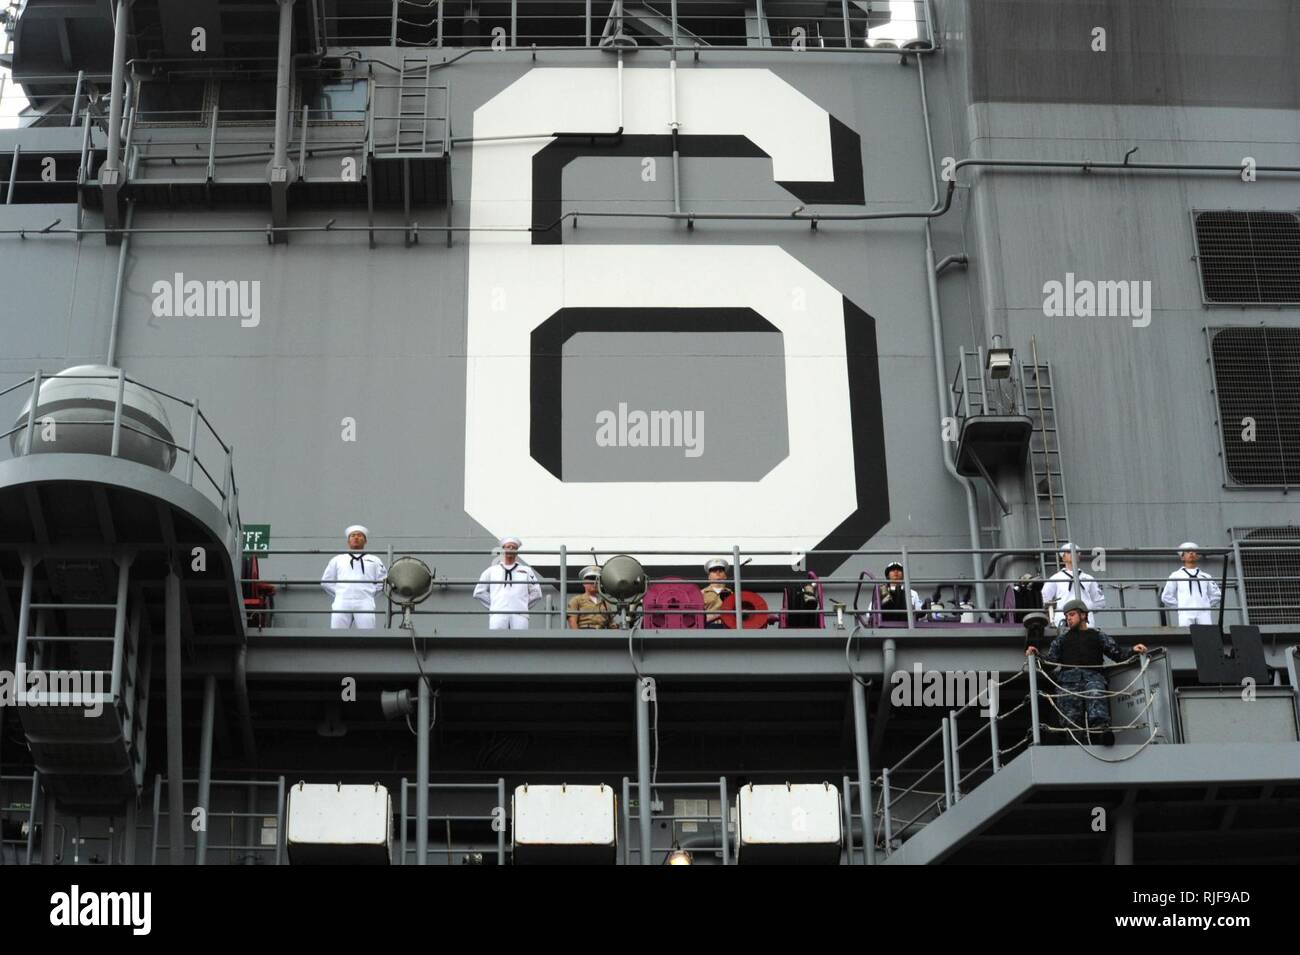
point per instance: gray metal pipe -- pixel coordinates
(940, 378)
(422, 775)
(205, 766)
(175, 763)
(643, 689)
(240, 672)
(117, 89)
(889, 663)
(281, 155)
(864, 768)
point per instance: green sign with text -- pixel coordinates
(257, 537)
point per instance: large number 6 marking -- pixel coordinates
(830, 491)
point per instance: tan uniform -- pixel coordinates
(713, 599)
(590, 621)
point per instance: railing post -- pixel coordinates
(501, 793)
(194, 437)
(993, 695)
(735, 568)
(212, 143)
(392, 38)
(564, 589)
(889, 820)
(117, 413)
(907, 588)
(31, 412)
(726, 817)
(440, 30)
(672, 16)
(13, 175)
(844, 13)
(758, 26)
(1241, 582)
(225, 492)
(76, 98)
(514, 22)
(588, 27)
(847, 819)
(947, 764)
(1033, 699)
(402, 859)
(280, 834)
(954, 740)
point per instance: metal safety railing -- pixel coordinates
(842, 600)
(451, 852)
(98, 426)
(253, 834)
(719, 840)
(846, 25)
(18, 818)
(903, 809)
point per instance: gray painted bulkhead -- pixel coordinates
(379, 334)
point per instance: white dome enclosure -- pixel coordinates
(79, 403)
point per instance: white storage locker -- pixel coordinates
(339, 825)
(565, 824)
(789, 824)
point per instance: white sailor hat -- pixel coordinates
(1066, 547)
(716, 563)
(591, 572)
(357, 529)
(511, 539)
(1185, 546)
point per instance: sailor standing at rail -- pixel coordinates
(1084, 705)
(1191, 590)
(1060, 588)
(508, 588)
(715, 593)
(353, 579)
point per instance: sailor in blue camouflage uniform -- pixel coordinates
(1079, 649)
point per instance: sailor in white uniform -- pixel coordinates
(353, 579)
(508, 588)
(1060, 588)
(1191, 591)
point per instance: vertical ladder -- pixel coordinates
(413, 106)
(1045, 462)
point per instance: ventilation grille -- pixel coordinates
(1249, 258)
(1270, 562)
(1257, 381)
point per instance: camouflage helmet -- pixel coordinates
(1078, 605)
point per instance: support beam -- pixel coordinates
(110, 174)
(645, 688)
(205, 766)
(422, 776)
(861, 739)
(1124, 815)
(280, 172)
(175, 762)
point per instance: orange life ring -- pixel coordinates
(753, 609)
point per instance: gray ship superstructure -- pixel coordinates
(973, 286)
